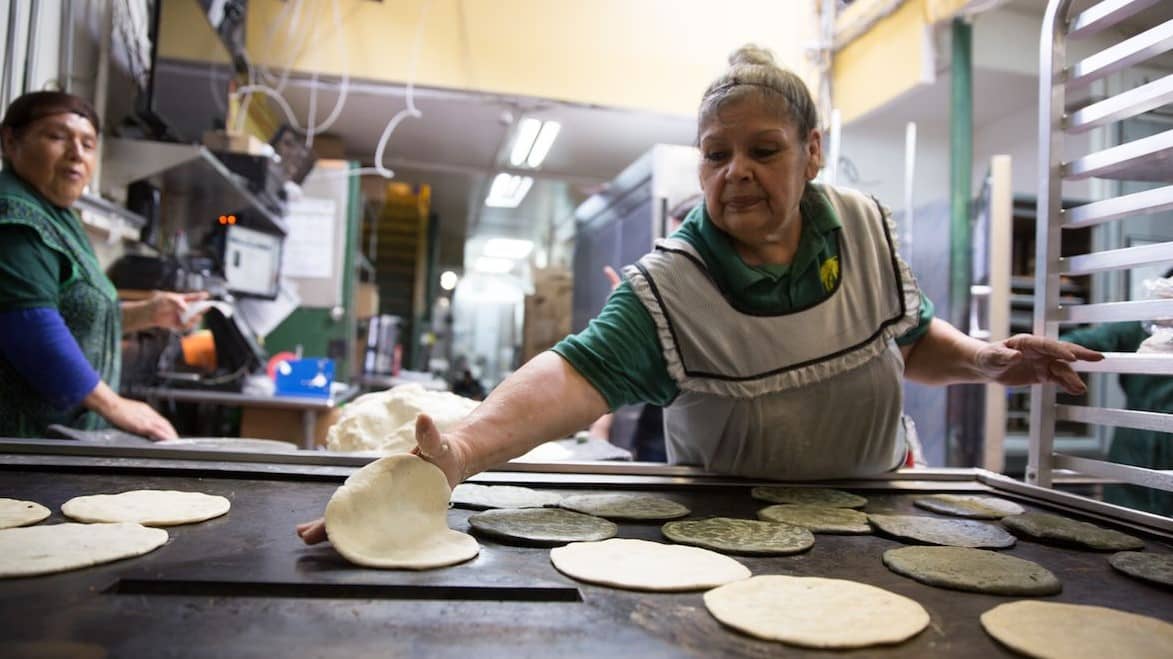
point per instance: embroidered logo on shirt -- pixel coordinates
(829, 273)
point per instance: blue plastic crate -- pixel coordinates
(304, 377)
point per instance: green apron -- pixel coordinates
(87, 301)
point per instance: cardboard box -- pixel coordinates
(548, 311)
(366, 301)
(285, 425)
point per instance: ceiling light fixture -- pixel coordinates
(448, 280)
(527, 132)
(542, 144)
(508, 248)
(492, 265)
(508, 190)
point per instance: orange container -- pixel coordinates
(199, 350)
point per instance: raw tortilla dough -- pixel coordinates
(645, 565)
(624, 506)
(471, 495)
(816, 613)
(61, 547)
(1074, 631)
(147, 507)
(14, 512)
(393, 513)
(384, 421)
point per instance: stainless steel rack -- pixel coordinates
(1146, 159)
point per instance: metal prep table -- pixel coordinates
(308, 406)
(243, 585)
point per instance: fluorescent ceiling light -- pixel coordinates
(508, 190)
(508, 248)
(543, 143)
(492, 265)
(527, 132)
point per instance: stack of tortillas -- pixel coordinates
(393, 513)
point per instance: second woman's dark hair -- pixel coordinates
(37, 105)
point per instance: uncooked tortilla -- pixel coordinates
(964, 505)
(147, 507)
(471, 495)
(740, 536)
(817, 613)
(14, 512)
(228, 444)
(1074, 631)
(624, 506)
(972, 570)
(935, 531)
(811, 496)
(46, 549)
(544, 526)
(645, 565)
(1157, 568)
(384, 421)
(393, 513)
(1053, 528)
(819, 519)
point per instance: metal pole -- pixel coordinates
(30, 46)
(961, 172)
(65, 48)
(9, 54)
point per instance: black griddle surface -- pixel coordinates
(244, 585)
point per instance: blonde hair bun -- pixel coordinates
(752, 55)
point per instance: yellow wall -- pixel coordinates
(655, 55)
(883, 63)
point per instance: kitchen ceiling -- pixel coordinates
(463, 139)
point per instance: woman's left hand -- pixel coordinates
(166, 309)
(1028, 359)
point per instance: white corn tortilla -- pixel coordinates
(14, 512)
(147, 507)
(393, 513)
(471, 495)
(27, 552)
(645, 565)
(1074, 631)
(816, 613)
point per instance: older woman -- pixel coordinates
(775, 325)
(60, 320)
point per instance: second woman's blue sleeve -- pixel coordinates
(43, 351)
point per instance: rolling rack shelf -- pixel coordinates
(1146, 159)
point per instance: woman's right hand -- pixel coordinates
(446, 452)
(139, 418)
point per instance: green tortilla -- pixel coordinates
(1157, 568)
(973, 570)
(625, 506)
(963, 505)
(819, 519)
(936, 531)
(811, 496)
(740, 536)
(1046, 527)
(544, 526)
